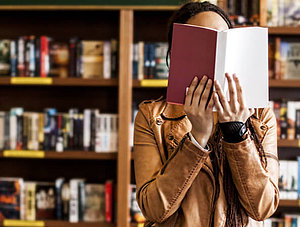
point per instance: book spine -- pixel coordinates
(152, 61)
(109, 201)
(7, 131)
(277, 115)
(59, 203)
(72, 59)
(107, 60)
(161, 69)
(114, 58)
(13, 58)
(19, 132)
(134, 49)
(146, 61)
(79, 67)
(93, 131)
(30, 201)
(38, 57)
(41, 131)
(59, 147)
(81, 191)
(2, 130)
(275, 16)
(291, 120)
(13, 132)
(283, 120)
(297, 127)
(27, 56)
(298, 162)
(21, 57)
(277, 58)
(32, 56)
(87, 129)
(140, 60)
(44, 56)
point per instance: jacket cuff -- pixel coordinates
(189, 145)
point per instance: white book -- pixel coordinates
(107, 60)
(74, 200)
(86, 129)
(114, 133)
(283, 182)
(291, 116)
(292, 180)
(13, 132)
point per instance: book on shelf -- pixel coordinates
(31, 56)
(288, 179)
(283, 13)
(287, 115)
(10, 198)
(149, 60)
(135, 211)
(199, 51)
(243, 12)
(74, 201)
(52, 130)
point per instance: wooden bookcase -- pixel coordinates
(128, 24)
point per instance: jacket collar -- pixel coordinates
(173, 112)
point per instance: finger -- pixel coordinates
(211, 102)
(189, 94)
(204, 98)
(221, 97)
(240, 95)
(198, 92)
(218, 105)
(232, 93)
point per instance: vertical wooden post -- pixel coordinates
(263, 13)
(125, 100)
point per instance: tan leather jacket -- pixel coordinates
(175, 182)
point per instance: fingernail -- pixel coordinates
(204, 77)
(195, 78)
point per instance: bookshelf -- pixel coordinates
(127, 23)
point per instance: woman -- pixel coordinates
(194, 168)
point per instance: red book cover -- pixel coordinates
(193, 54)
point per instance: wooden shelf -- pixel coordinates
(150, 83)
(288, 143)
(285, 83)
(60, 81)
(284, 30)
(289, 203)
(62, 224)
(71, 155)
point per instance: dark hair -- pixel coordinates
(236, 215)
(189, 10)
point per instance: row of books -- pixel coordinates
(289, 179)
(73, 201)
(287, 115)
(289, 220)
(243, 12)
(283, 13)
(51, 130)
(44, 57)
(284, 59)
(149, 60)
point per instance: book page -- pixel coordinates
(247, 56)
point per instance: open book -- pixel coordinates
(199, 51)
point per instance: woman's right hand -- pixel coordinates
(199, 109)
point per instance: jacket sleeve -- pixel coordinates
(257, 186)
(161, 187)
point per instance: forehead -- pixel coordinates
(209, 19)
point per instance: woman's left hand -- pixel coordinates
(235, 109)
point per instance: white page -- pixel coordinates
(247, 56)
